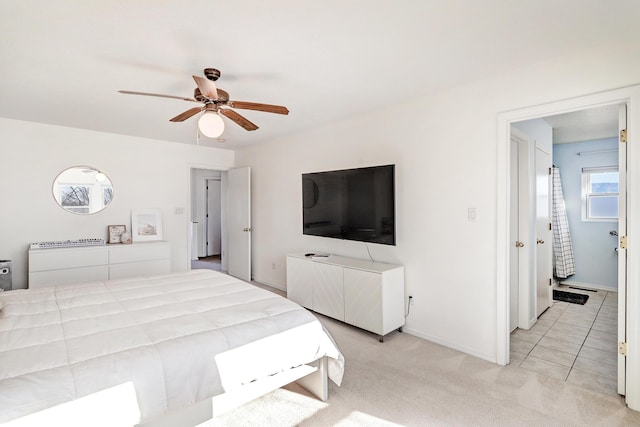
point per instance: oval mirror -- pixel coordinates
(309, 193)
(82, 190)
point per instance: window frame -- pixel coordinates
(588, 195)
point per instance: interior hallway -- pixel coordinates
(572, 342)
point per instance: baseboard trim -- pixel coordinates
(271, 285)
(588, 286)
(445, 343)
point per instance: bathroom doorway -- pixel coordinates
(575, 343)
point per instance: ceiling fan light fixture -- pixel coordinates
(211, 124)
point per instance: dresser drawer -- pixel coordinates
(43, 279)
(59, 259)
(138, 252)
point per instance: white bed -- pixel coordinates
(142, 351)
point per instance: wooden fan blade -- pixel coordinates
(129, 92)
(184, 116)
(207, 87)
(278, 109)
(237, 118)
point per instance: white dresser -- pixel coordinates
(50, 267)
(369, 295)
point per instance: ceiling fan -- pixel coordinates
(215, 102)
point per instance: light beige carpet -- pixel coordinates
(408, 381)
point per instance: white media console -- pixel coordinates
(50, 267)
(366, 294)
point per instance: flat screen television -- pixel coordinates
(352, 204)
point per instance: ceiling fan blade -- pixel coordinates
(237, 118)
(278, 109)
(207, 87)
(184, 116)
(130, 92)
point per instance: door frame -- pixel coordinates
(622, 254)
(190, 168)
(209, 217)
(630, 96)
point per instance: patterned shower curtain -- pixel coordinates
(564, 265)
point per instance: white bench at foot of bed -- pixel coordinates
(313, 377)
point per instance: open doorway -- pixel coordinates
(235, 219)
(572, 227)
(629, 287)
(208, 233)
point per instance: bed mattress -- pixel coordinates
(166, 342)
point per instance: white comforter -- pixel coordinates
(169, 340)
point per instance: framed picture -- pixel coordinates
(146, 225)
(115, 233)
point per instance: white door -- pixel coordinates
(622, 254)
(543, 232)
(514, 251)
(239, 222)
(214, 231)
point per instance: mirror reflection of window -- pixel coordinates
(82, 190)
(75, 198)
(107, 194)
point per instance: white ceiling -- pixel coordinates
(585, 125)
(63, 61)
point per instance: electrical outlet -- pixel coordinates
(472, 214)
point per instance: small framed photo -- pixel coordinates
(146, 225)
(115, 233)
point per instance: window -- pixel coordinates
(600, 194)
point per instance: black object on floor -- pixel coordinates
(570, 297)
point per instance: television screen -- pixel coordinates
(352, 204)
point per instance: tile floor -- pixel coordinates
(572, 342)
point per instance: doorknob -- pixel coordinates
(519, 244)
(540, 241)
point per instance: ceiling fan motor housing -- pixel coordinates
(198, 95)
(223, 96)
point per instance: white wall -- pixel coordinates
(145, 174)
(445, 151)
(540, 134)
